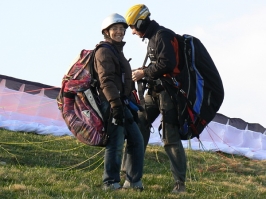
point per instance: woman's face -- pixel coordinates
(117, 32)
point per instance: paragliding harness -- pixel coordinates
(79, 103)
(196, 91)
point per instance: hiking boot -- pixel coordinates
(179, 187)
(133, 185)
(113, 186)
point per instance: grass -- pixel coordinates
(44, 166)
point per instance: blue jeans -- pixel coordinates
(114, 150)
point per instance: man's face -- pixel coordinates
(135, 32)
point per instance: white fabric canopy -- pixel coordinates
(31, 107)
(225, 138)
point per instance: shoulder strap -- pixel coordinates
(115, 51)
(91, 61)
(107, 45)
(164, 30)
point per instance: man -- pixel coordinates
(162, 51)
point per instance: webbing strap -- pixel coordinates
(142, 85)
(69, 95)
(141, 90)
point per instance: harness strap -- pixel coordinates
(195, 120)
(142, 87)
(142, 84)
(69, 95)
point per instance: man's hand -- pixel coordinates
(137, 75)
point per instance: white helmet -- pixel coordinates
(113, 19)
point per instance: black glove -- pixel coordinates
(118, 115)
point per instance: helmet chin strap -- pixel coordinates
(107, 36)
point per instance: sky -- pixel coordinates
(39, 39)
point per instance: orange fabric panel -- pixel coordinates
(176, 69)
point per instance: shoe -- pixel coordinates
(133, 185)
(179, 187)
(113, 186)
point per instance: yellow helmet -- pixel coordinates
(135, 13)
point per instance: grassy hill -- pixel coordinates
(39, 166)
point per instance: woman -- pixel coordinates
(115, 86)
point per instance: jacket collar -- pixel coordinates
(151, 29)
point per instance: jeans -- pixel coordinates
(114, 149)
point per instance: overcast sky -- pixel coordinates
(40, 38)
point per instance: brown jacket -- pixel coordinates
(109, 70)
